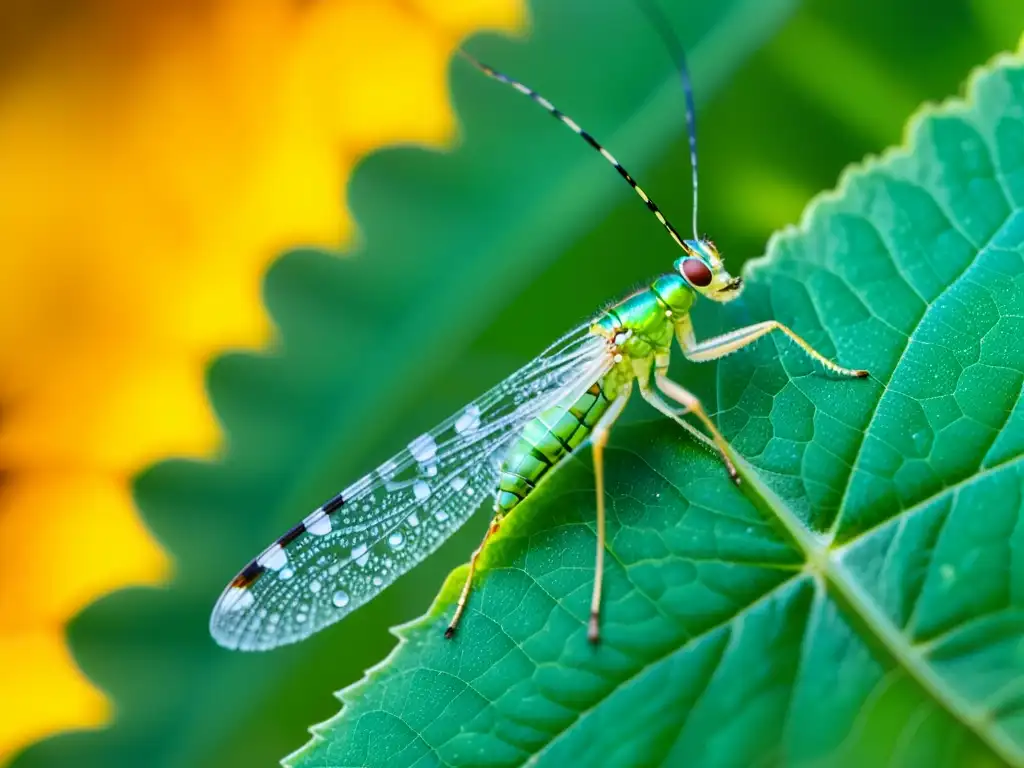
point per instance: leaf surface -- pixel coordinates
(861, 600)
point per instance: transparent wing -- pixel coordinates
(353, 546)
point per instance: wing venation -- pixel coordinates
(354, 545)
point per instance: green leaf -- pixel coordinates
(861, 600)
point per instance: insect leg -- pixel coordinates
(676, 414)
(727, 343)
(598, 441)
(692, 405)
(642, 371)
(464, 595)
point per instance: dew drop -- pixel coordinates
(286, 573)
(314, 586)
(340, 598)
(423, 449)
(396, 540)
(300, 617)
(469, 420)
(361, 555)
(421, 490)
(377, 581)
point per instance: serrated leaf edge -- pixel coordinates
(953, 105)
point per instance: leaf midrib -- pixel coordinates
(822, 563)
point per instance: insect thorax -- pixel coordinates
(643, 324)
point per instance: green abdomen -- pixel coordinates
(546, 441)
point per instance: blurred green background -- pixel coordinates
(472, 262)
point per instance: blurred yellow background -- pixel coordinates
(156, 157)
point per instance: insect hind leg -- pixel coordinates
(464, 595)
(598, 441)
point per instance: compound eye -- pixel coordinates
(697, 272)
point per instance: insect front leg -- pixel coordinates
(598, 441)
(464, 595)
(727, 343)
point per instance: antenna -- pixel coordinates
(568, 121)
(663, 27)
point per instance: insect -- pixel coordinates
(500, 446)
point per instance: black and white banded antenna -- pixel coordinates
(663, 27)
(572, 125)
